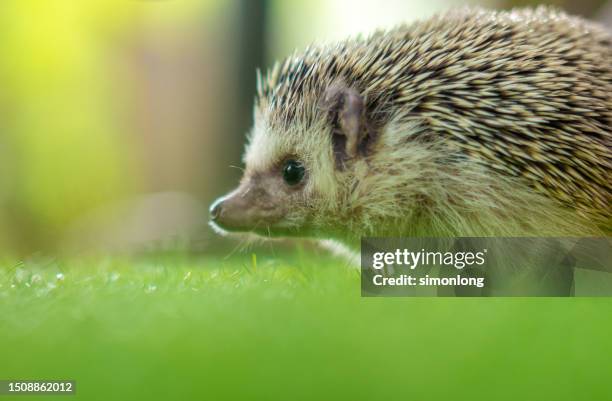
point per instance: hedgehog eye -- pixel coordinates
(293, 172)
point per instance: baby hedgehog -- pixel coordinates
(471, 123)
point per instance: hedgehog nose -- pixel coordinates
(215, 209)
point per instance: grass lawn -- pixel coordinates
(289, 326)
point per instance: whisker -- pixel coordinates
(237, 167)
(233, 251)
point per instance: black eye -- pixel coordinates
(293, 172)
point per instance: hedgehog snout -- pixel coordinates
(247, 208)
(215, 209)
(230, 212)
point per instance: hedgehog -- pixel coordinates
(470, 123)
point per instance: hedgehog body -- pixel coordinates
(472, 123)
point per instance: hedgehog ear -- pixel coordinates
(347, 113)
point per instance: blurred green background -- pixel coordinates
(119, 120)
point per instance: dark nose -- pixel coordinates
(215, 209)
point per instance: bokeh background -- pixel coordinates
(120, 121)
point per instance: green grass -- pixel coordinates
(286, 327)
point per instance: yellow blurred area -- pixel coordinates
(63, 147)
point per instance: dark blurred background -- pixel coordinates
(120, 121)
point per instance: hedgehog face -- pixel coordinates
(286, 172)
(301, 170)
(298, 175)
